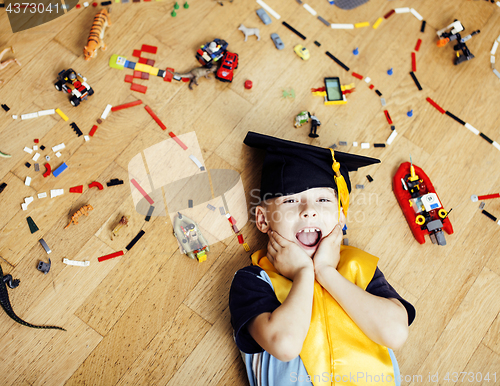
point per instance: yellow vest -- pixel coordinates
(335, 349)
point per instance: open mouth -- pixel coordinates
(309, 237)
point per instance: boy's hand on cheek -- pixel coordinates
(286, 256)
(328, 252)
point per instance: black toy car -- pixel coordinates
(75, 84)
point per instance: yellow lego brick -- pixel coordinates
(361, 25)
(377, 23)
(319, 93)
(328, 103)
(247, 248)
(347, 86)
(202, 256)
(154, 71)
(62, 115)
(142, 67)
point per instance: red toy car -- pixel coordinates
(229, 64)
(420, 204)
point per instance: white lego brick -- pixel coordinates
(56, 192)
(472, 128)
(36, 156)
(76, 263)
(365, 145)
(492, 59)
(355, 144)
(106, 112)
(87, 138)
(342, 26)
(58, 154)
(498, 3)
(42, 195)
(86, 4)
(498, 38)
(14, 117)
(416, 14)
(28, 150)
(496, 145)
(309, 9)
(494, 48)
(402, 10)
(35, 147)
(46, 112)
(382, 100)
(29, 116)
(368, 79)
(28, 200)
(269, 9)
(27, 181)
(56, 148)
(24, 206)
(391, 137)
(196, 161)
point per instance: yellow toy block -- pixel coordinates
(327, 103)
(142, 67)
(319, 93)
(247, 248)
(62, 115)
(377, 23)
(202, 256)
(154, 71)
(347, 86)
(361, 25)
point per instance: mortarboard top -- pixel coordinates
(292, 167)
(349, 4)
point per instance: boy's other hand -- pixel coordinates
(286, 256)
(328, 252)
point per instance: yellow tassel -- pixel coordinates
(342, 191)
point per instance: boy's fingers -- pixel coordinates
(282, 242)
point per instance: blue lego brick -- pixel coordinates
(130, 65)
(59, 170)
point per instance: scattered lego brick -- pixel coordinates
(379, 145)
(5, 107)
(62, 115)
(76, 189)
(155, 117)
(137, 74)
(222, 211)
(110, 256)
(99, 121)
(37, 167)
(47, 171)
(318, 44)
(389, 14)
(360, 186)
(378, 93)
(325, 22)
(36, 156)
(369, 178)
(126, 105)
(28, 150)
(337, 61)
(246, 247)
(176, 139)
(27, 181)
(135, 240)
(58, 147)
(388, 117)
(167, 77)
(56, 192)
(211, 207)
(142, 191)
(150, 213)
(345, 241)
(42, 147)
(419, 42)
(361, 25)
(190, 203)
(2, 186)
(422, 28)
(44, 245)
(93, 130)
(106, 111)
(76, 263)
(391, 137)
(149, 49)
(42, 195)
(144, 75)
(413, 62)
(489, 215)
(294, 30)
(97, 185)
(60, 169)
(463, 123)
(235, 229)
(42, 266)
(377, 23)
(27, 164)
(417, 83)
(138, 88)
(482, 205)
(240, 239)
(129, 78)
(439, 108)
(76, 129)
(356, 75)
(342, 143)
(33, 227)
(114, 182)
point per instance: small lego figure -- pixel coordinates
(7, 62)
(314, 126)
(454, 34)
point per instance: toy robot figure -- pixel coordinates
(314, 126)
(191, 241)
(454, 34)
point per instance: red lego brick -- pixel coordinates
(142, 191)
(160, 123)
(413, 62)
(419, 42)
(37, 140)
(145, 76)
(137, 53)
(97, 185)
(388, 117)
(76, 189)
(94, 4)
(129, 78)
(150, 62)
(137, 74)
(232, 220)
(168, 75)
(93, 130)
(181, 144)
(371, 87)
(356, 75)
(150, 49)
(240, 239)
(78, 6)
(389, 14)
(489, 196)
(439, 108)
(48, 171)
(138, 88)
(110, 256)
(143, 60)
(126, 105)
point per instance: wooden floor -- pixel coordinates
(156, 317)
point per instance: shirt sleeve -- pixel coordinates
(380, 287)
(251, 294)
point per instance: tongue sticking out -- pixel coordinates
(308, 238)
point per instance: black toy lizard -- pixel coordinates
(7, 280)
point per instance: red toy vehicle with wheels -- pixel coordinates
(420, 204)
(229, 64)
(74, 84)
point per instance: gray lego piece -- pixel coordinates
(495, 71)
(222, 211)
(343, 143)
(482, 205)
(45, 246)
(44, 267)
(433, 225)
(37, 167)
(325, 22)
(334, 146)
(360, 186)
(382, 100)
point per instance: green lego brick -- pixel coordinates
(32, 225)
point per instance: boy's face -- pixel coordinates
(303, 218)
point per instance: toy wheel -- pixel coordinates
(442, 213)
(420, 220)
(91, 91)
(58, 86)
(74, 101)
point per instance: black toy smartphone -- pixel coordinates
(333, 90)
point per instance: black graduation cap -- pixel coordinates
(292, 167)
(349, 4)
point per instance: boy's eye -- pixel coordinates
(290, 200)
(324, 200)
